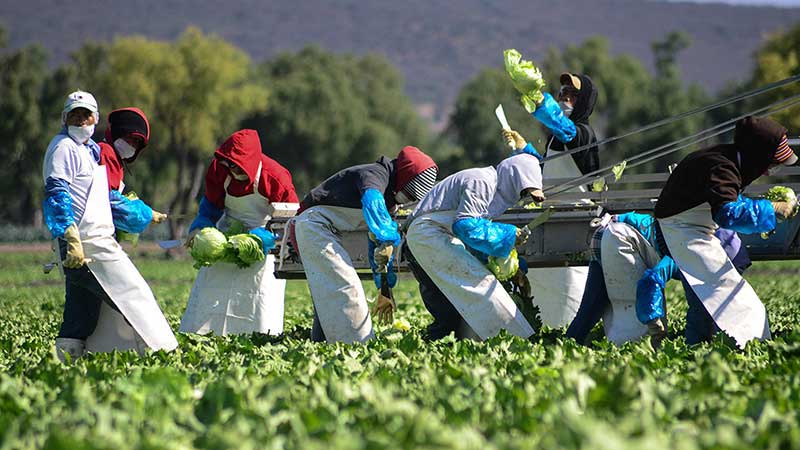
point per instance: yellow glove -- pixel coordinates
(514, 139)
(381, 255)
(158, 217)
(522, 283)
(522, 236)
(189, 239)
(75, 257)
(384, 309)
(657, 331)
(783, 210)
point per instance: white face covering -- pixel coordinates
(566, 108)
(401, 198)
(81, 134)
(125, 150)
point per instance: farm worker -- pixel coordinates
(355, 196)
(450, 235)
(621, 288)
(77, 211)
(559, 290)
(703, 193)
(127, 135)
(241, 185)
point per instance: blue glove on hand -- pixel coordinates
(267, 238)
(650, 297)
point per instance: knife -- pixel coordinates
(501, 117)
(172, 243)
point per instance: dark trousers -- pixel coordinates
(700, 326)
(593, 303)
(446, 319)
(84, 296)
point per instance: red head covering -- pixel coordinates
(410, 162)
(242, 148)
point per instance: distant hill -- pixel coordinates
(438, 45)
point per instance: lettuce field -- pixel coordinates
(254, 392)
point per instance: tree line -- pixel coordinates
(318, 111)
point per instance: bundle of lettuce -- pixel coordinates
(504, 268)
(526, 77)
(211, 246)
(780, 194)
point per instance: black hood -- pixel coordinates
(587, 97)
(757, 140)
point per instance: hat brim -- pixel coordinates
(790, 161)
(76, 105)
(568, 79)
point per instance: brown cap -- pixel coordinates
(568, 79)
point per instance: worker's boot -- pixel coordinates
(75, 348)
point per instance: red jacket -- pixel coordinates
(243, 148)
(114, 169)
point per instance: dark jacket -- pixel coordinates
(718, 174)
(587, 160)
(346, 187)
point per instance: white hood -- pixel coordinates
(514, 174)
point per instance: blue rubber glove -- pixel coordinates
(267, 238)
(551, 116)
(747, 216)
(650, 297)
(485, 236)
(57, 207)
(207, 215)
(379, 222)
(132, 216)
(529, 149)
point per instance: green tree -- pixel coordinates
(195, 91)
(23, 140)
(329, 111)
(777, 59)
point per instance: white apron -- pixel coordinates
(120, 279)
(336, 289)
(625, 255)
(227, 299)
(558, 291)
(463, 279)
(729, 299)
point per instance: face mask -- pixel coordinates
(401, 198)
(125, 150)
(566, 108)
(81, 134)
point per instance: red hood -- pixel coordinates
(242, 148)
(410, 162)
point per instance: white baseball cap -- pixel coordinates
(79, 99)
